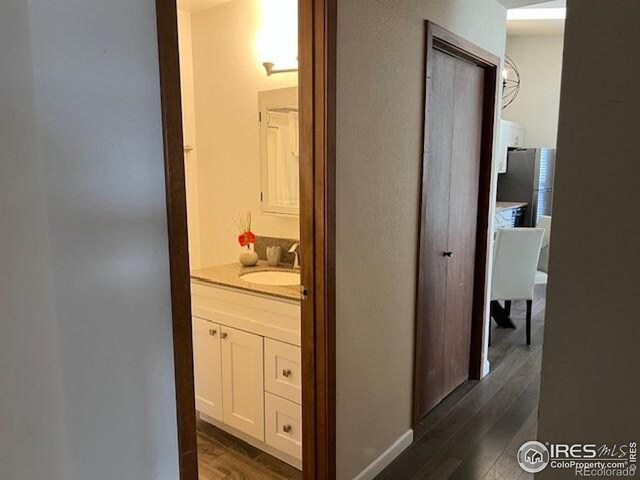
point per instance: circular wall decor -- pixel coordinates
(510, 82)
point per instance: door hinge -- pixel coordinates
(304, 292)
(259, 116)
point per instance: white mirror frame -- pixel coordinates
(268, 100)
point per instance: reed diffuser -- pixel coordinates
(246, 238)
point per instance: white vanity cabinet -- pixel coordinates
(248, 375)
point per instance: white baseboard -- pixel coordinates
(388, 456)
(486, 368)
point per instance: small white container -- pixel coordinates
(273, 256)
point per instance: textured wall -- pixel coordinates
(87, 376)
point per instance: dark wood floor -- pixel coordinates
(475, 433)
(224, 457)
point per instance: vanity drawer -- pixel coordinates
(282, 370)
(283, 425)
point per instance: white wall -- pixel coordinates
(189, 135)
(87, 376)
(539, 60)
(380, 110)
(227, 79)
(590, 360)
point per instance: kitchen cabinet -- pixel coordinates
(207, 367)
(511, 135)
(242, 381)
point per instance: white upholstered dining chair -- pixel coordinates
(544, 222)
(515, 263)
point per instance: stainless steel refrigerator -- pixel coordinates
(529, 178)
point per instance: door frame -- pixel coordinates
(441, 39)
(317, 97)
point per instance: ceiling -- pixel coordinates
(198, 5)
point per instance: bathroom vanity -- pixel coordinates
(247, 356)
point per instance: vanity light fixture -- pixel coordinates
(269, 67)
(277, 36)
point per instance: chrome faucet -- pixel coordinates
(295, 249)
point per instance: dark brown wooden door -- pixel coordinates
(454, 127)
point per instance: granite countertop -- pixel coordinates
(229, 276)
(510, 205)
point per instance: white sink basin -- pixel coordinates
(272, 278)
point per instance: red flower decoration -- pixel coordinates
(246, 238)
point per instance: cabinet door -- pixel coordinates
(207, 367)
(242, 381)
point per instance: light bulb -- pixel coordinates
(277, 38)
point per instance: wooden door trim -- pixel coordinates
(317, 91)
(444, 40)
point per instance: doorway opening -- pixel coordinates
(526, 169)
(261, 340)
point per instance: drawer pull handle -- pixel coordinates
(286, 428)
(224, 335)
(286, 373)
(212, 332)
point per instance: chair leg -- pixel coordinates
(529, 305)
(507, 307)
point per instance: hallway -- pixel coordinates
(476, 431)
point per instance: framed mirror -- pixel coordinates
(279, 151)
